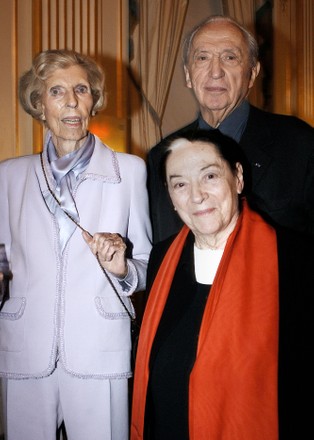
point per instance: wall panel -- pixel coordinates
(95, 27)
(293, 58)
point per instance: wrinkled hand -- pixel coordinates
(110, 249)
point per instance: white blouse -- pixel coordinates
(206, 262)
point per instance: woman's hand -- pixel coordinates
(110, 249)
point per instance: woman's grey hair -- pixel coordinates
(249, 38)
(32, 83)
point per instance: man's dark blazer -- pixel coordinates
(280, 150)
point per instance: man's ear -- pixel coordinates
(187, 77)
(254, 74)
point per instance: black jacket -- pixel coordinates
(280, 150)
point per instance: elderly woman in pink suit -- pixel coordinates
(76, 229)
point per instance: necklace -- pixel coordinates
(57, 200)
(132, 318)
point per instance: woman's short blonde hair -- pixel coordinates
(32, 82)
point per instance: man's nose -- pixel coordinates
(215, 67)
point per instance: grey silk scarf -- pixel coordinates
(66, 170)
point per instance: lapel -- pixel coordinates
(257, 143)
(103, 164)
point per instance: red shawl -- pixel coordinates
(233, 384)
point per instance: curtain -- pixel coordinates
(245, 13)
(155, 41)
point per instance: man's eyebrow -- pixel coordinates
(173, 176)
(225, 49)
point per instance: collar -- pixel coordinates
(103, 164)
(235, 123)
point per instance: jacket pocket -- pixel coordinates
(11, 324)
(111, 308)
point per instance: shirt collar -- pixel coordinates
(234, 125)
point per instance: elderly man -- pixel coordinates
(221, 65)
